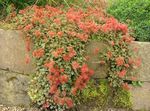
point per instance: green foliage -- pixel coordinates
(99, 93)
(134, 12)
(122, 99)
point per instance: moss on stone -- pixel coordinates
(95, 95)
(122, 99)
(101, 96)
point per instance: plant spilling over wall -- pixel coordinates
(134, 12)
(59, 38)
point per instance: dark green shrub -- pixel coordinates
(134, 12)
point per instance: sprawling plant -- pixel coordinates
(59, 38)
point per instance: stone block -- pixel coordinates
(13, 89)
(100, 70)
(12, 52)
(141, 97)
(144, 54)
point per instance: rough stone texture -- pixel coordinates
(100, 70)
(13, 89)
(12, 52)
(144, 53)
(141, 97)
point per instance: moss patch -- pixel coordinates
(100, 95)
(95, 95)
(122, 99)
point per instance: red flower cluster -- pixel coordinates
(127, 39)
(82, 80)
(63, 100)
(120, 61)
(71, 53)
(37, 33)
(28, 27)
(55, 79)
(50, 64)
(75, 65)
(113, 25)
(58, 52)
(38, 53)
(122, 73)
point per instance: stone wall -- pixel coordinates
(14, 73)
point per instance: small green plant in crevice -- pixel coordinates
(97, 93)
(122, 99)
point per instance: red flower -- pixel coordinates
(72, 52)
(66, 57)
(51, 34)
(64, 79)
(38, 53)
(57, 21)
(85, 77)
(37, 33)
(127, 39)
(60, 34)
(56, 99)
(126, 65)
(62, 101)
(82, 37)
(75, 65)
(84, 68)
(50, 77)
(28, 27)
(120, 61)
(74, 91)
(53, 89)
(45, 105)
(55, 54)
(58, 52)
(69, 102)
(122, 73)
(49, 64)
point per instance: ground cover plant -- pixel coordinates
(59, 36)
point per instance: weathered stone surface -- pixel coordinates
(12, 52)
(144, 54)
(141, 97)
(13, 89)
(93, 62)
